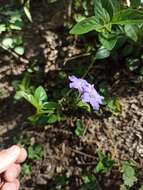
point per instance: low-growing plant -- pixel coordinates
(114, 23)
(129, 174)
(112, 103)
(80, 128)
(104, 164)
(90, 183)
(46, 111)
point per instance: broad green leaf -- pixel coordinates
(129, 175)
(30, 98)
(112, 6)
(108, 43)
(8, 42)
(27, 169)
(105, 163)
(114, 106)
(128, 16)
(28, 14)
(85, 26)
(100, 167)
(102, 53)
(84, 106)
(50, 105)
(52, 119)
(79, 18)
(40, 94)
(101, 13)
(18, 41)
(16, 26)
(2, 28)
(131, 32)
(19, 50)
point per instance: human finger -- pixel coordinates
(11, 185)
(22, 156)
(8, 157)
(12, 172)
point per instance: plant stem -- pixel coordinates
(14, 54)
(84, 75)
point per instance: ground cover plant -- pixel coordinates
(71, 80)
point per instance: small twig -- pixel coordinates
(14, 54)
(76, 57)
(90, 67)
(83, 153)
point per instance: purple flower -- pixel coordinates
(91, 96)
(78, 83)
(88, 92)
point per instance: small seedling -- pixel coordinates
(26, 169)
(35, 152)
(129, 174)
(46, 111)
(90, 183)
(112, 103)
(79, 131)
(104, 164)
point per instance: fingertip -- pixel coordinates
(8, 157)
(13, 150)
(22, 156)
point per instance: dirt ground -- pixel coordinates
(49, 45)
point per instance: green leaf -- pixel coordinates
(40, 94)
(19, 50)
(28, 14)
(50, 105)
(108, 43)
(27, 169)
(17, 25)
(2, 28)
(8, 42)
(84, 106)
(112, 6)
(79, 131)
(101, 14)
(114, 106)
(129, 175)
(102, 53)
(100, 167)
(52, 119)
(30, 98)
(128, 16)
(35, 152)
(18, 41)
(131, 32)
(85, 26)
(105, 163)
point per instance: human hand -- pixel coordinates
(10, 160)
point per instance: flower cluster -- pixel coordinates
(87, 91)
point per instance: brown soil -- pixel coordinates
(65, 153)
